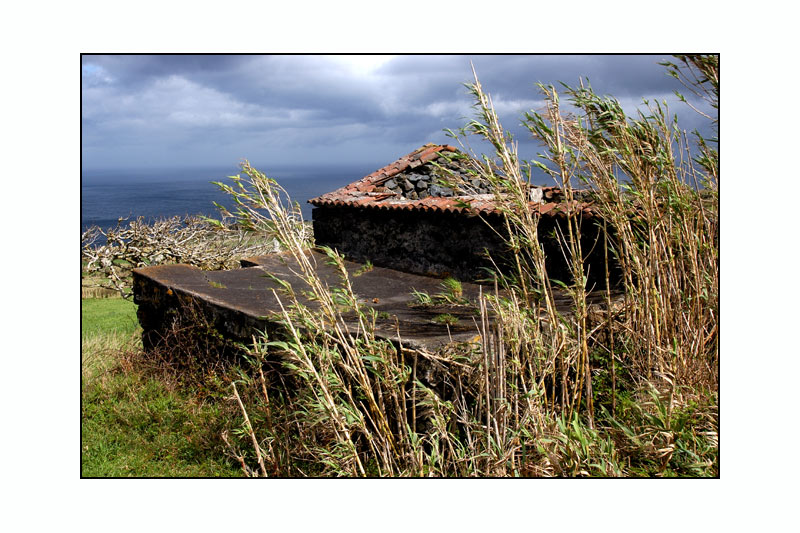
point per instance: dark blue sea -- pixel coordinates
(156, 193)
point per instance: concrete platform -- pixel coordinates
(241, 302)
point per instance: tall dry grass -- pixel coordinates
(627, 390)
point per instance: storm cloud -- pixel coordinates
(193, 110)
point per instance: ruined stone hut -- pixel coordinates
(419, 214)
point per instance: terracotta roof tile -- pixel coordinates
(368, 192)
(428, 151)
(546, 208)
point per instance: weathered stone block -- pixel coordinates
(438, 190)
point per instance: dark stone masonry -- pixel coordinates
(429, 213)
(433, 244)
(446, 178)
(442, 243)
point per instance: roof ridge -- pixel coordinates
(420, 156)
(368, 192)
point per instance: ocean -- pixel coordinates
(155, 193)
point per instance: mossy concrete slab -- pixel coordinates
(242, 302)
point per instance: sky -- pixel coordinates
(278, 111)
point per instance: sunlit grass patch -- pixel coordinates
(108, 315)
(135, 421)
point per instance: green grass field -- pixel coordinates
(104, 316)
(136, 419)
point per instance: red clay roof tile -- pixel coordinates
(368, 192)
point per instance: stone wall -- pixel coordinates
(451, 176)
(179, 320)
(440, 243)
(437, 244)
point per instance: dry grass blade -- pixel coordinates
(546, 392)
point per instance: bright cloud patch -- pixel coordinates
(92, 75)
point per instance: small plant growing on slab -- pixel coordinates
(452, 294)
(368, 266)
(421, 299)
(446, 318)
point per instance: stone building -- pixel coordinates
(426, 213)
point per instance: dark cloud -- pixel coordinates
(141, 110)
